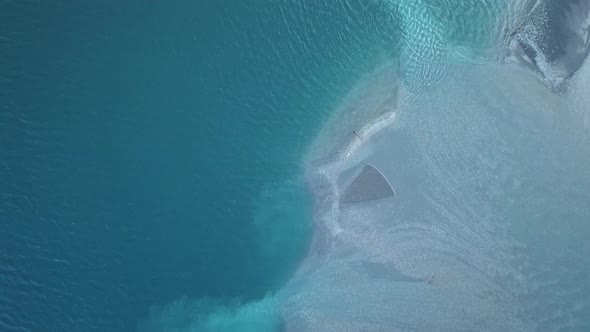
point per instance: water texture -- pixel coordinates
(184, 166)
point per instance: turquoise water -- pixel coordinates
(176, 166)
(152, 152)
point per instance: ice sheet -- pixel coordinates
(492, 190)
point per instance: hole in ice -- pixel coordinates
(369, 185)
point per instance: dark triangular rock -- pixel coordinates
(368, 186)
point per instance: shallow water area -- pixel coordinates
(484, 166)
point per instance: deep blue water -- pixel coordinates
(152, 151)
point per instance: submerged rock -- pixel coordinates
(554, 40)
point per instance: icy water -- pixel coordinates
(183, 166)
(152, 152)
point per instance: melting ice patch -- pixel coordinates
(492, 186)
(487, 228)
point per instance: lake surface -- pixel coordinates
(159, 162)
(150, 152)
